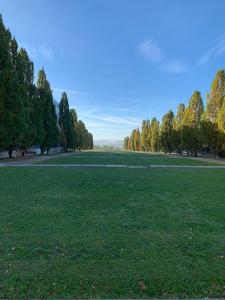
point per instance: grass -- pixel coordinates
(112, 233)
(124, 158)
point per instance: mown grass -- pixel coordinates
(118, 158)
(111, 233)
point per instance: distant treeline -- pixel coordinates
(192, 129)
(27, 111)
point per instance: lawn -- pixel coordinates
(129, 158)
(112, 233)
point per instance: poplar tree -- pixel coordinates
(145, 134)
(166, 132)
(216, 97)
(154, 141)
(5, 67)
(65, 123)
(73, 121)
(27, 94)
(49, 118)
(191, 123)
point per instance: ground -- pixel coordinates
(112, 232)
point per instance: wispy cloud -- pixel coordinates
(150, 50)
(114, 119)
(124, 110)
(70, 92)
(217, 50)
(175, 67)
(36, 52)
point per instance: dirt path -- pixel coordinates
(219, 161)
(29, 160)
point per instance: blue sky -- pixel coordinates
(121, 61)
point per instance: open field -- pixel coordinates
(128, 158)
(112, 233)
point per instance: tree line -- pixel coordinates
(192, 129)
(27, 111)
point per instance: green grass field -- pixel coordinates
(112, 233)
(128, 158)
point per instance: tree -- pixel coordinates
(73, 121)
(5, 70)
(216, 97)
(126, 143)
(145, 134)
(154, 136)
(179, 125)
(27, 94)
(191, 123)
(13, 113)
(49, 118)
(221, 128)
(166, 132)
(137, 138)
(66, 135)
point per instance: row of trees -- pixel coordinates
(192, 129)
(73, 133)
(27, 111)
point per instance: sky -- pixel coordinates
(121, 61)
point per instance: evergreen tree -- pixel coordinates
(5, 70)
(13, 118)
(73, 120)
(66, 135)
(49, 118)
(27, 94)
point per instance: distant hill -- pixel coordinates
(109, 142)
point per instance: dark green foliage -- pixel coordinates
(49, 118)
(27, 112)
(66, 135)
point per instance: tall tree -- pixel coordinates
(191, 123)
(65, 123)
(216, 97)
(73, 120)
(145, 134)
(154, 137)
(5, 70)
(179, 125)
(49, 118)
(166, 132)
(126, 143)
(27, 94)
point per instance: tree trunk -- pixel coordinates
(42, 151)
(10, 152)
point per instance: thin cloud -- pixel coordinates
(112, 119)
(150, 50)
(175, 67)
(216, 50)
(36, 52)
(70, 92)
